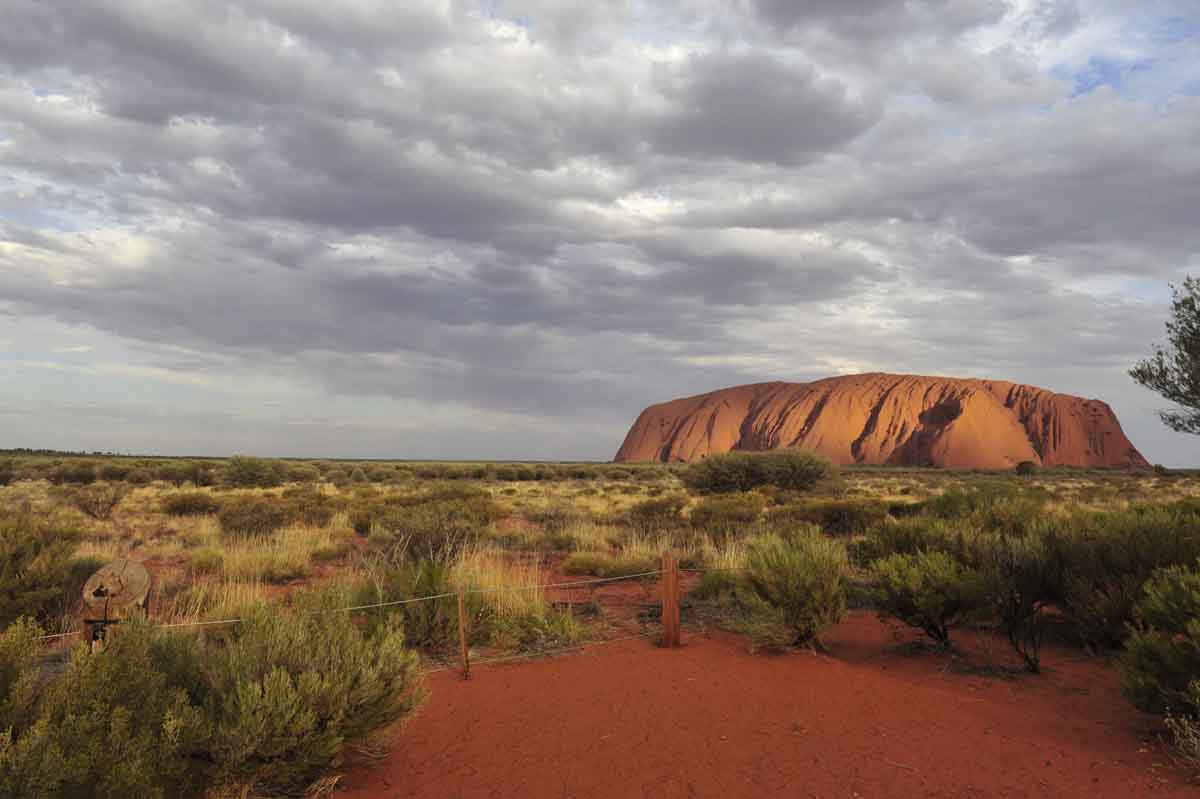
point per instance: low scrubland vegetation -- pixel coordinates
(782, 543)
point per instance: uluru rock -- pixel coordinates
(902, 420)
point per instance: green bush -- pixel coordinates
(19, 673)
(245, 472)
(190, 503)
(660, 513)
(176, 473)
(205, 561)
(917, 534)
(1108, 557)
(431, 625)
(99, 500)
(35, 565)
(731, 472)
(309, 506)
(112, 725)
(835, 517)
(794, 586)
(113, 471)
(1026, 468)
(253, 709)
(8, 473)
(1002, 507)
(73, 472)
(727, 516)
(304, 473)
(1022, 578)
(930, 591)
(248, 517)
(286, 692)
(436, 524)
(601, 564)
(1161, 663)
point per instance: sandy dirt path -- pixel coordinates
(711, 720)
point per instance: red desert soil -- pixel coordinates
(888, 419)
(711, 720)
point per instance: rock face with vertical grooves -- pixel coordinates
(903, 420)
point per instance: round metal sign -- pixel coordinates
(116, 588)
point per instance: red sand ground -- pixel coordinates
(711, 720)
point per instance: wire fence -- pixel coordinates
(397, 602)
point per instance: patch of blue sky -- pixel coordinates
(1174, 30)
(1101, 71)
(41, 219)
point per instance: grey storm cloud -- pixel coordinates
(559, 212)
(757, 108)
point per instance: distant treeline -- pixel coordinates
(243, 471)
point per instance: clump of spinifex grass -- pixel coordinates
(287, 554)
(521, 616)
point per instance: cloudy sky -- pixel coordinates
(499, 228)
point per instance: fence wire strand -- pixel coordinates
(392, 603)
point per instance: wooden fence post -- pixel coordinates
(670, 600)
(462, 634)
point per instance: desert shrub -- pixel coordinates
(280, 710)
(304, 473)
(35, 564)
(789, 469)
(520, 618)
(8, 473)
(917, 534)
(1022, 578)
(835, 517)
(555, 519)
(243, 471)
(930, 591)
(98, 500)
(431, 625)
(254, 710)
(357, 475)
(174, 472)
(19, 672)
(1026, 468)
(111, 725)
(727, 516)
(1161, 663)
(603, 564)
(205, 561)
(190, 503)
(245, 517)
(202, 474)
(309, 506)
(652, 515)
(794, 586)
(993, 506)
(1108, 557)
(75, 472)
(436, 524)
(437, 531)
(139, 477)
(113, 471)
